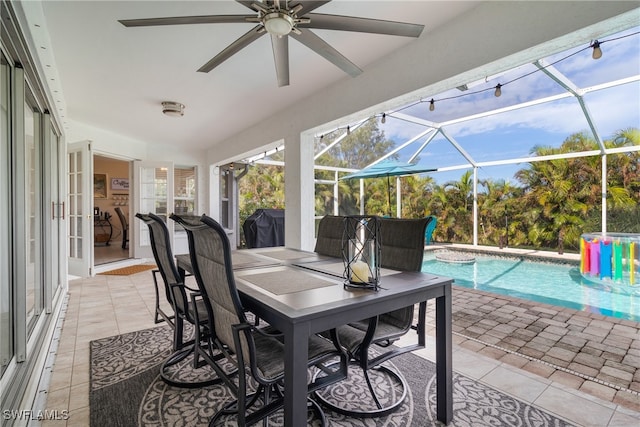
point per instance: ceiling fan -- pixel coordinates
(280, 19)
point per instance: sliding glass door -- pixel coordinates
(6, 294)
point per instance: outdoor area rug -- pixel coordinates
(126, 271)
(126, 390)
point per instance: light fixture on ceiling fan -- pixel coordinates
(279, 20)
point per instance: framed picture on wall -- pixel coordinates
(119, 183)
(100, 185)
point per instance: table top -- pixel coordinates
(299, 286)
(304, 294)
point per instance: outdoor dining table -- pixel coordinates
(301, 293)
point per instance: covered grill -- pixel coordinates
(264, 228)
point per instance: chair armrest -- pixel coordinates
(191, 289)
(267, 331)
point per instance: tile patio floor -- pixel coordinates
(103, 306)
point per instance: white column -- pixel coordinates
(299, 192)
(214, 193)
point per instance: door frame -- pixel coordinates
(140, 237)
(80, 259)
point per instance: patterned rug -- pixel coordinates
(126, 271)
(126, 390)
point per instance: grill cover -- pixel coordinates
(264, 228)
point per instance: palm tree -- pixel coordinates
(560, 193)
(460, 198)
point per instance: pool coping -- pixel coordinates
(572, 259)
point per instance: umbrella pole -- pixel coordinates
(388, 196)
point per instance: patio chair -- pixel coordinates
(176, 294)
(329, 240)
(124, 223)
(431, 226)
(258, 352)
(402, 248)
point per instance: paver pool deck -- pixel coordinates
(590, 352)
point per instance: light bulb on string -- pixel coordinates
(498, 91)
(432, 105)
(348, 130)
(597, 52)
(384, 118)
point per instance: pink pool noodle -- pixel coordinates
(595, 258)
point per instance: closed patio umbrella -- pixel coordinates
(388, 168)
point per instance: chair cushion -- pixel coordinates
(390, 326)
(270, 354)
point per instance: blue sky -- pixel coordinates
(515, 133)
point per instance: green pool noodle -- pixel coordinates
(617, 261)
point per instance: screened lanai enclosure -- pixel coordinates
(532, 156)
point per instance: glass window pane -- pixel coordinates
(33, 193)
(184, 192)
(6, 312)
(79, 210)
(79, 183)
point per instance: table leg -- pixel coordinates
(295, 375)
(444, 368)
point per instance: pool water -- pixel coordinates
(557, 284)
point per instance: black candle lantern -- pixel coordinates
(361, 252)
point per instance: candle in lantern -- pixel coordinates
(359, 272)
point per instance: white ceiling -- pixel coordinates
(115, 78)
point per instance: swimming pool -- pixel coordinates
(557, 284)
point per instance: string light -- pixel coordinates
(597, 52)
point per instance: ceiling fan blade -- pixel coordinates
(185, 20)
(362, 25)
(281, 57)
(325, 50)
(248, 38)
